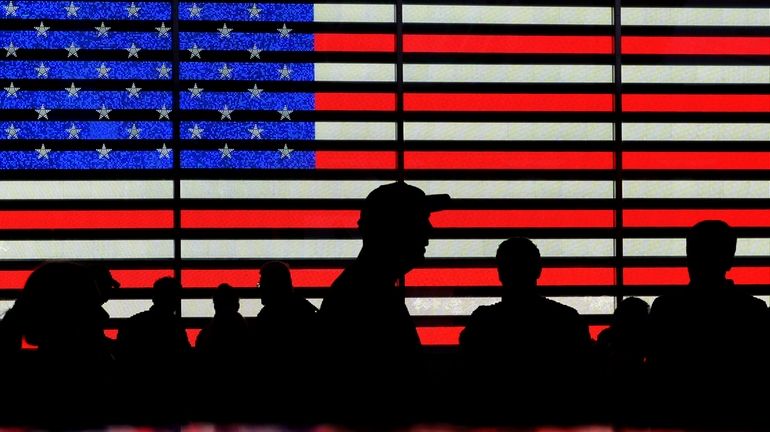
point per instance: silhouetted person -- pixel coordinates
(622, 353)
(225, 337)
(529, 348)
(372, 345)
(153, 351)
(707, 340)
(285, 344)
(105, 283)
(63, 382)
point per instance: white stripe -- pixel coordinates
(354, 13)
(469, 73)
(518, 189)
(487, 248)
(677, 247)
(86, 249)
(4, 306)
(277, 189)
(366, 131)
(678, 74)
(270, 249)
(456, 14)
(696, 131)
(418, 306)
(675, 16)
(126, 308)
(651, 299)
(445, 131)
(355, 72)
(83, 189)
(683, 189)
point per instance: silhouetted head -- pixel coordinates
(395, 224)
(518, 263)
(275, 282)
(631, 312)
(226, 301)
(166, 294)
(710, 250)
(59, 305)
(104, 280)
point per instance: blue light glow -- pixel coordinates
(246, 71)
(247, 159)
(88, 129)
(240, 12)
(83, 70)
(242, 41)
(240, 130)
(244, 101)
(59, 99)
(90, 10)
(28, 39)
(84, 160)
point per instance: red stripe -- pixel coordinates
(523, 219)
(679, 276)
(594, 330)
(340, 42)
(227, 219)
(192, 334)
(489, 44)
(440, 335)
(467, 277)
(15, 279)
(301, 278)
(355, 101)
(695, 45)
(687, 218)
(695, 103)
(514, 160)
(696, 160)
(355, 160)
(507, 102)
(85, 219)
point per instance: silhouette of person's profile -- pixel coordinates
(708, 339)
(537, 348)
(371, 342)
(225, 338)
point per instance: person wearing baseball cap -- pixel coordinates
(370, 341)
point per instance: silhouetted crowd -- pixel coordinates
(697, 356)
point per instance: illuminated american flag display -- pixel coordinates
(201, 139)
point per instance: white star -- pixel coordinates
(256, 132)
(224, 32)
(73, 132)
(285, 72)
(195, 91)
(104, 152)
(12, 90)
(10, 9)
(195, 11)
(164, 152)
(163, 113)
(133, 91)
(104, 112)
(284, 31)
(133, 10)
(285, 152)
(11, 50)
(42, 152)
(256, 92)
(42, 30)
(103, 71)
(225, 72)
(285, 113)
(254, 52)
(254, 11)
(72, 50)
(102, 30)
(163, 71)
(72, 91)
(226, 152)
(195, 131)
(42, 112)
(42, 70)
(133, 132)
(195, 51)
(12, 131)
(225, 111)
(72, 10)
(133, 51)
(163, 30)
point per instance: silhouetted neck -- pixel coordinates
(377, 267)
(518, 293)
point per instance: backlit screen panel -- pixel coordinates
(200, 139)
